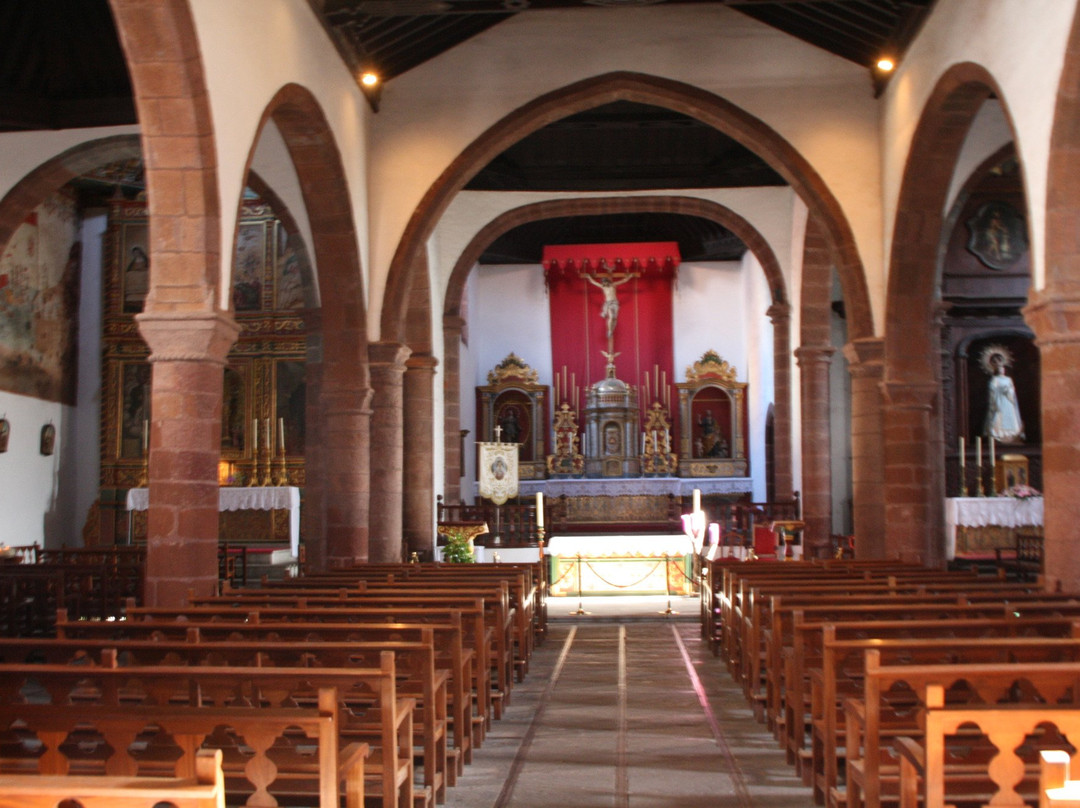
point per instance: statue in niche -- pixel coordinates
(1003, 422)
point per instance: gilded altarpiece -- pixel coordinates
(263, 406)
(712, 406)
(514, 401)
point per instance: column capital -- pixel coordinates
(1054, 316)
(779, 313)
(188, 336)
(909, 395)
(807, 355)
(866, 357)
(388, 355)
(421, 362)
(453, 323)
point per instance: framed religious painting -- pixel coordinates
(134, 265)
(133, 420)
(235, 410)
(249, 267)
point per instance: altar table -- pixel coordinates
(627, 563)
(975, 512)
(254, 498)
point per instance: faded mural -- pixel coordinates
(39, 303)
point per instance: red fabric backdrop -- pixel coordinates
(643, 332)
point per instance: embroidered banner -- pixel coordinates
(498, 471)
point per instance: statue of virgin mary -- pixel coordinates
(1003, 422)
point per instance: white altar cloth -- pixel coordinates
(986, 511)
(254, 498)
(644, 546)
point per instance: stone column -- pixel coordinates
(313, 512)
(912, 501)
(1054, 316)
(187, 354)
(387, 449)
(814, 361)
(452, 328)
(867, 367)
(780, 315)
(419, 494)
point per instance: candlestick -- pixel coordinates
(978, 466)
(540, 509)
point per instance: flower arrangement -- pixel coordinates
(1021, 492)
(458, 548)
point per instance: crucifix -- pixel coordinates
(498, 433)
(609, 309)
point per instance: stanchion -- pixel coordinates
(667, 585)
(580, 608)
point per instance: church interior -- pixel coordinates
(633, 297)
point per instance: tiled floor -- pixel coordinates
(622, 707)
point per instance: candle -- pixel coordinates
(539, 508)
(991, 454)
(145, 435)
(978, 452)
(963, 457)
(254, 434)
(697, 500)
(281, 434)
(266, 434)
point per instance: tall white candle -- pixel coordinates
(697, 500)
(539, 508)
(963, 457)
(992, 454)
(978, 452)
(145, 435)
(255, 434)
(281, 434)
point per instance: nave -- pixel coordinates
(627, 707)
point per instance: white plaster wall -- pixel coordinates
(510, 313)
(708, 314)
(25, 151)
(760, 374)
(1022, 44)
(822, 104)
(86, 468)
(989, 132)
(274, 165)
(251, 50)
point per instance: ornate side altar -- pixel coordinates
(712, 405)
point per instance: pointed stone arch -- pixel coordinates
(625, 86)
(914, 478)
(337, 458)
(779, 311)
(1054, 314)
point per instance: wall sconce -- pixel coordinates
(371, 87)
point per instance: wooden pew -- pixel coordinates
(415, 665)
(838, 678)
(205, 790)
(476, 623)
(452, 655)
(884, 712)
(935, 772)
(289, 751)
(369, 708)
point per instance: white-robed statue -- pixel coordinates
(1003, 422)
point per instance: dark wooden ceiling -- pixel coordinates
(61, 66)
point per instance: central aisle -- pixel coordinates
(628, 713)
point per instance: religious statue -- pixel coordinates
(609, 310)
(511, 428)
(712, 442)
(1003, 422)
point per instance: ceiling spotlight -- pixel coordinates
(371, 87)
(885, 64)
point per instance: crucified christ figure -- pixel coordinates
(610, 308)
